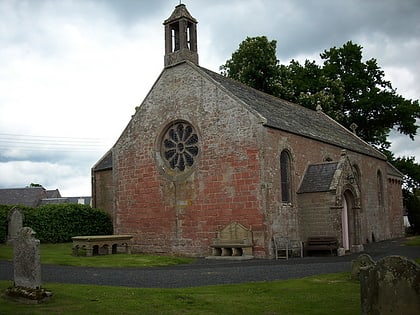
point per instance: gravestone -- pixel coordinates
(27, 269)
(391, 286)
(15, 223)
(26, 260)
(362, 261)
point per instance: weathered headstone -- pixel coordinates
(27, 269)
(391, 286)
(362, 261)
(15, 223)
(27, 260)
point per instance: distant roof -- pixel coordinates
(30, 197)
(294, 118)
(37, 196)
(77, 200)
(55, 201)
(53, 193)
(318, 177)
(84, 200)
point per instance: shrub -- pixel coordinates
(413, 209)
(4, 210)
(58, 223)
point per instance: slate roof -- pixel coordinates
(86, 200)
(105, 163)
(294, 118)
(180, 12)
(35, 196)
(318, 177)
(60, 200)
(53, 193)
(30, 197)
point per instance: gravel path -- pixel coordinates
(212, 272)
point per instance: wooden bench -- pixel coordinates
(285, 248)
(234, 240)
(101, 244)
(321, 243)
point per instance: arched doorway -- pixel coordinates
(348, 220)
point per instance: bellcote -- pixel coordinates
(180, 37)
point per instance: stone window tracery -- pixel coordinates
(179, 147)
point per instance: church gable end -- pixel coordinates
(203, 151)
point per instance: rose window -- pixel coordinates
(180, 146)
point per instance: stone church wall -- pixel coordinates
(316, 216)
(103, 191)
(376, 223)
(396, 211)
(184, 217)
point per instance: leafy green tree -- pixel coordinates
(308, 86)
(32, 185)
(368, 100)
(255, 64)
(412, 203)
(411, 171)
(348, 89)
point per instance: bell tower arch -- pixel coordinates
(180, 37)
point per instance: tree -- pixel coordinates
(412, 203)
(255, 64)
(349, 90)
(33, 185)
(368, 99)
(411, 171)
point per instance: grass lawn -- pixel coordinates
(413, 241)
(326, 294)
(60, 254)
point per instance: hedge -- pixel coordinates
(58, 223)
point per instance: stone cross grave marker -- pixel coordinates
(15, 223)
(26, 260)
(391, 286)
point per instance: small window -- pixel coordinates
(357, 174)
(285, 174)
(380, 189)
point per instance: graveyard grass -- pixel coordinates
(60, 254)
(325, 294)
(413, 241)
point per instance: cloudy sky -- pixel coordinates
(73, 71)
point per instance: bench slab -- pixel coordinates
(110, 242)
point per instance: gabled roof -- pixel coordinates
(53, 193)
(180, 12)
(30, 197)
(105, 163)
(294, 118)
(318, 177)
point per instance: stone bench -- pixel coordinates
(234, 241)
(231, 248)
(101, 244)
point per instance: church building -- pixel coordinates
(203, 151)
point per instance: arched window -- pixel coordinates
(285, 174)
(357, 174)
(380, 189)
